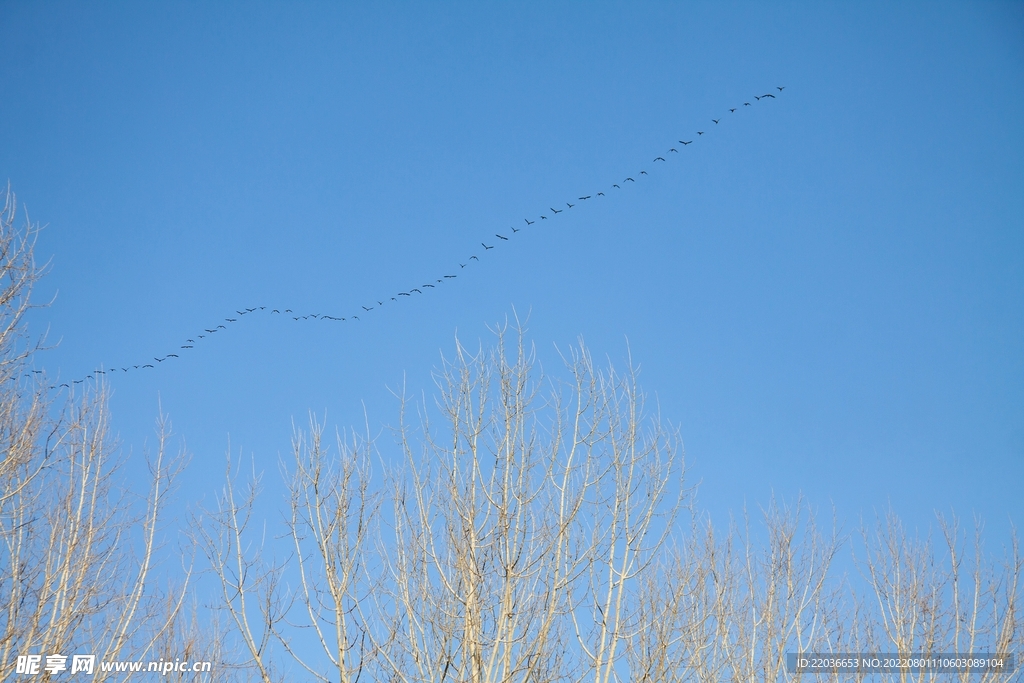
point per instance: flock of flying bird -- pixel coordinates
(420, 290)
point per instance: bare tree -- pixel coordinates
(76, 547)
(946, 599)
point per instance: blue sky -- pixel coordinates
(825, 292)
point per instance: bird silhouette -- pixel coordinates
(769, 95)
(716, 120)
(569, 205)
(614, 185)
(451, 275)
(501, 237)
(231, 320)
(688, 142)
(600, 194)
(187, 347)
(486, 247)
(221, 327)
(584, 198)
(367, 309)
(746, 104)
(659, 158)
(288, 310)
(780, 87)
(147, 365)
(514, 229)
(191, 341)
(630, 180)
(543, 218)
(411, 290)
(731, 110)
(431, 286)
(202, 336)
(275, 311)
(473, 257)
(404, 294)
(673, 149)
(172, 355)
(700, 132)
(643, 173)
(210, 332)
(556, 210)
(756, 97)
(529, 222)
(355, 317)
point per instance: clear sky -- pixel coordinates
(825, 291)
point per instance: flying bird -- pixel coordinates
(147, 365)
(451, 276)
(716, 121)
(431, 286)
(746, 104)
(731, 110)
(221, 327)
(584, 198)
(191, 341)
(780, 87)
(210, 332)
(418, 291)
(688, 142)
(614, 185)
(404, 294)
(544, 218)
(769, 95)
(275, 311)
(501, 237)
(172, 355)
(355, 317)
(231, 320)
(600, 194)
(569, 205)
(473, 257)
(529, 222)
(486, 247)
(756, 97)
(643, 172)
(288, 310)
(700, 132)
(630, 180)
(186, 347)
(514, 229)
(557, 210)
(659, 158)
(367, 309)
(673, 149)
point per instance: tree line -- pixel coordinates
(523, 528)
